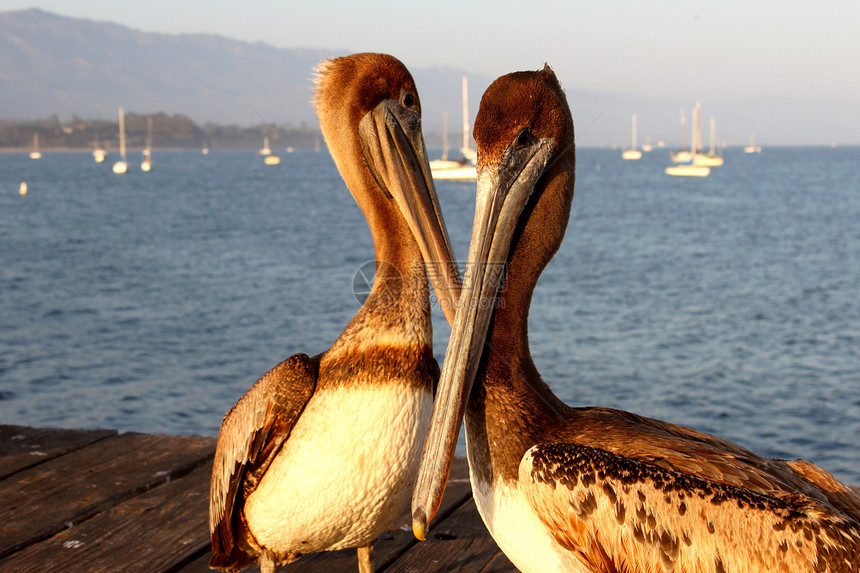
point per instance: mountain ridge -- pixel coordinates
(53, 64)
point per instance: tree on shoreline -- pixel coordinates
(170, 131)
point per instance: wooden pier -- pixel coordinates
(97, 500)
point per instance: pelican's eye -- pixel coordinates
(524, 137)
(407, 99)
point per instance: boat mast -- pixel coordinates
(683, 128)
(122, 133)
(696, 136)
(445, 135)
(713, 134)
(634, 132)
(465, 114)
(148, 136)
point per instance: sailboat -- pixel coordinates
(463, 169)
(632, 153)
(121, 166)
(266, 149)
(466, 150)
(647, 146)
(35, 154)
(690, 168)
(99, 153)
(710, 159)
(682, 156)
(444, 162)
(269, 158)
(146, 164)
(445, 168)
(752, 147)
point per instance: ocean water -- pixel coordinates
(151, 302)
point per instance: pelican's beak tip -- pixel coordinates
(419, 525)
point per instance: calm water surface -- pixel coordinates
(151, 302)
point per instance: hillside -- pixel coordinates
(55, 65)
(51, 64)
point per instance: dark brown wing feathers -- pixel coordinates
(251, 435)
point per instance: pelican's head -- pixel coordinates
(526, 160)
(370, 116)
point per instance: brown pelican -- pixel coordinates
(593, 489)
(321, 452)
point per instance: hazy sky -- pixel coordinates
(716, 50)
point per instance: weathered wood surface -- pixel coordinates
(22, 447)
(42, 500)
(95, 500)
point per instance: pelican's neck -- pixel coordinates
(511, 407)
(396, 313)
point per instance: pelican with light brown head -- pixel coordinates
(321, 452)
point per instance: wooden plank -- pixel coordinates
(459, 543)
(154, 531)
(22, 447)
(41, 501)
(500, 564)
(390, 545)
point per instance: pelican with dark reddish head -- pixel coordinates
(593, 489)
(321, 452)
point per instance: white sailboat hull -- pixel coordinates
(688, 171)
(681, 156)
(440, 164)
(461, 172)
(707, 160)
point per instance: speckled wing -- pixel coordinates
(251, 436)
(616, 513)
(688, 451)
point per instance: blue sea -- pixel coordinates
(150, 302)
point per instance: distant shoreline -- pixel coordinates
(128, 150)
(297, 148)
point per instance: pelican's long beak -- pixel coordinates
(393, 147)
(502, 195)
